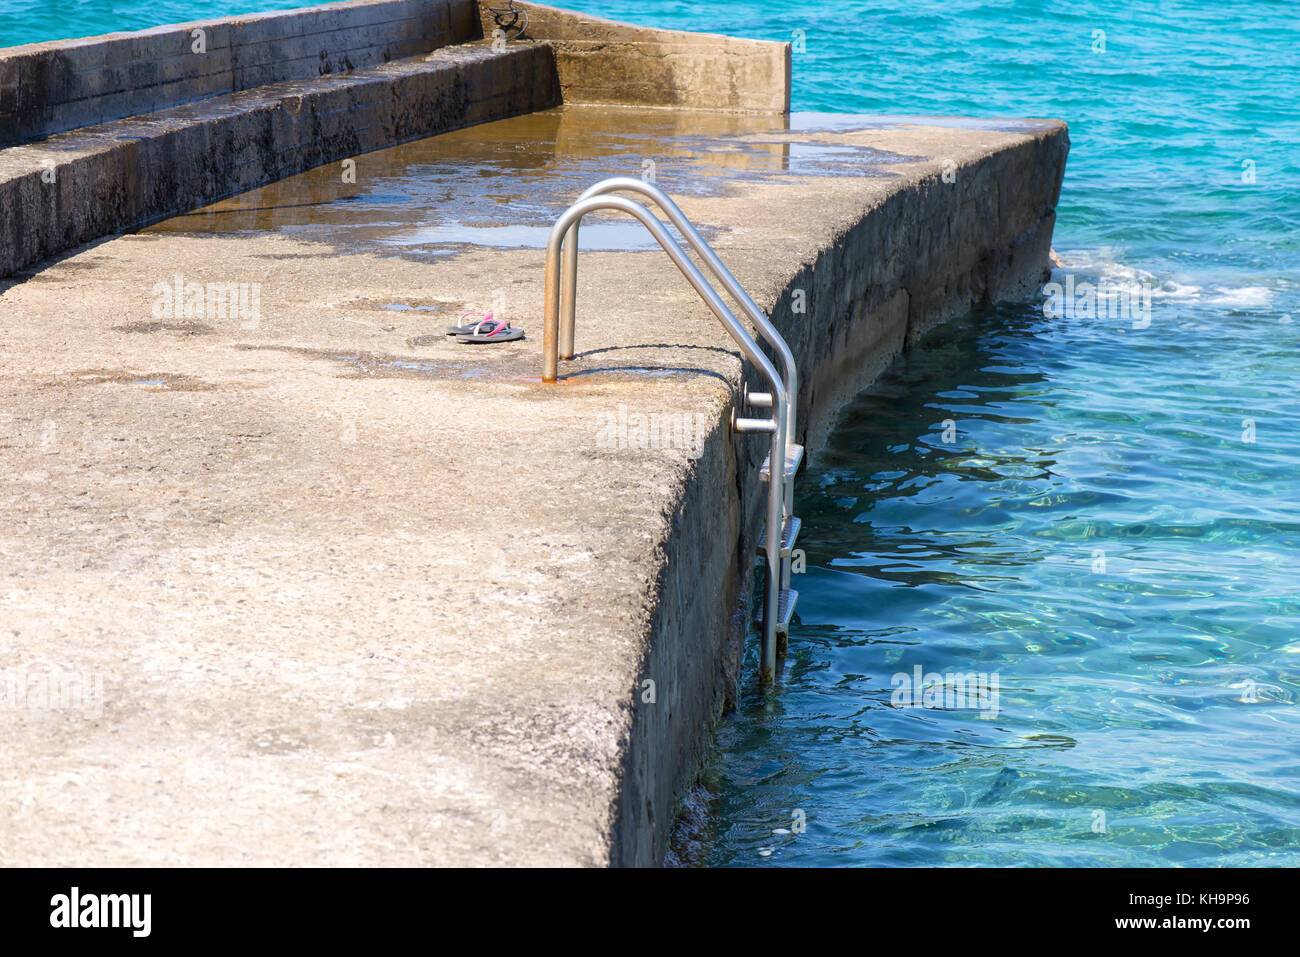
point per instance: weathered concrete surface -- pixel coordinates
(53, 87)
(361, 596)
(601, 61)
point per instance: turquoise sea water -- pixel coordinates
(36, 21)
(1107, 518)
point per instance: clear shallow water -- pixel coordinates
(1098, 535)
(1120, 687)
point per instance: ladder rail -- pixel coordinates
(750, 348)
(569, 290)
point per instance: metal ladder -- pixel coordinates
(777, 542)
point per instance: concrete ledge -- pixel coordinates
(52, 87)
(601, 61)
(74, 187)
(309, 657)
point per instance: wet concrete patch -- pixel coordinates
(445, 238)
(507, 362)
(156, 381)
(500, 363)
(502, 184)
(818, 158)
(400, 304)
(181, 328)
(634, 374)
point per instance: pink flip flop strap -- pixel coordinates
(500, 325)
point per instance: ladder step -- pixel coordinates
(785, 610)
(789, 532)
(793, 456)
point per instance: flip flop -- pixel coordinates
(469, 328)
(498, 330)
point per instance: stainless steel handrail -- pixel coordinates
(569, 290)
(750, 348)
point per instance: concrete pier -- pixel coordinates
(356, 594)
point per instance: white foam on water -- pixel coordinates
(1100, 268)
(1244, 297)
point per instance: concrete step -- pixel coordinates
(73, 187)
(67, 85)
